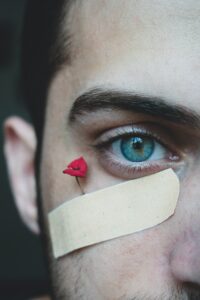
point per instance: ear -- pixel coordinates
(19, 149)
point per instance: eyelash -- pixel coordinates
(129, 169)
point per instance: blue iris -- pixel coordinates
(137, 149)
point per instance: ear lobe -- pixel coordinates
(19, 150)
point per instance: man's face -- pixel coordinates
(133, 49)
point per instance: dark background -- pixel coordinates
(22, 271)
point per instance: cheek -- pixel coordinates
(126, 264)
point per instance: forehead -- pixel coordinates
(101, 18)
(139, 45)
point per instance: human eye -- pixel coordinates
(136, 150)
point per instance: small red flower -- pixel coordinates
(77, 167)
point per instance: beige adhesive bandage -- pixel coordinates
(113, 212)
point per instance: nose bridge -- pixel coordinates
(189, 200)
(185, 253)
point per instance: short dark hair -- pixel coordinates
(44, 51)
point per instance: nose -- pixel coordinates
(185, 253)
(185, 258)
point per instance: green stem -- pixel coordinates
(82, 191)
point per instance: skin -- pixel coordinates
(144, 47)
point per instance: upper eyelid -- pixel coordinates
(115, 138)
(118, 131)
(123, 132)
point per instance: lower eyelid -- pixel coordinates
(134, 170)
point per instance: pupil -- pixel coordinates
(137, 143)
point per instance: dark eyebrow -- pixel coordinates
(99, 99)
